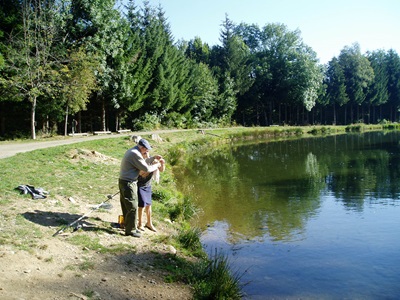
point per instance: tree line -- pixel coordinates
(102, 65)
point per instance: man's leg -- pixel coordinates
(122, 188)
(130, 201)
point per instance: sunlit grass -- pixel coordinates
(56, 170)
(215, 280)
(94, 244)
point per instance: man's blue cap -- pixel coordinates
(145, 144)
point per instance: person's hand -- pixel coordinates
(162, 161)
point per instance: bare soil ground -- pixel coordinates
(40, 266)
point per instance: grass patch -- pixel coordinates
(86, 242)
(20, 233)
(214, 280)
(86, 265)
(210, 278)
(189, 239)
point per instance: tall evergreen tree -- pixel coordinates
(377, 94)
(358, 76)
(138, 67)
(336, 87)
(393, 72)
(155, 40)
(198, 51)
(169, 84)
(230, 64)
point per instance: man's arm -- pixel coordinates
(140, 163)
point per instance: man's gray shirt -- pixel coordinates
(133, 162)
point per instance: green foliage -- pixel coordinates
(148, 121)
(175, 120)
(354, 128)
(358, 75)
(286, 72)
(190, 240)
(210, 278)
(78, 80)
(391, 126)
(320, 130)
(31, 65)
(176, 154)
(215, 281)
(114, 69)
(182, 209)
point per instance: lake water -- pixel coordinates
(310, 218)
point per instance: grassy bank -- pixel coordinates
(82, 175)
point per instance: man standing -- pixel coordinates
(132, 163)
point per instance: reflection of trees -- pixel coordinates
(370, 171)
(247, 184)
(274, 188)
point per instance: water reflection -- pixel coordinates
(272, 189)
(305, 219)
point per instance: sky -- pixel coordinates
(327, 26)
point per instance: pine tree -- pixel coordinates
(393, 72)
(336, 88)
(377, 94)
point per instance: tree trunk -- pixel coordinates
(270, 113)
(351, 114)
(258, 117)
(33, 120)
(3, 125)
(66, 122)
(279, 113)
(334, 114)
(46, 125)
(103, 113)
(79, 129)
(265, 117)
(117, 121)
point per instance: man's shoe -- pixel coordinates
(135, 233)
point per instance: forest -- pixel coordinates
(104, 65)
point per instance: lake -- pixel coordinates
(308, 218)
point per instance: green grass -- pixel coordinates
(214, 280)
(90, 181)
(94, 244)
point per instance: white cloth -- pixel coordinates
(156, 176)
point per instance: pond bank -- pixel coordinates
(96, 261)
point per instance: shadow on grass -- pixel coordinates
(65, 220)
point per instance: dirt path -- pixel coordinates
(10, 148)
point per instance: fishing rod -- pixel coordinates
(109, 197)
